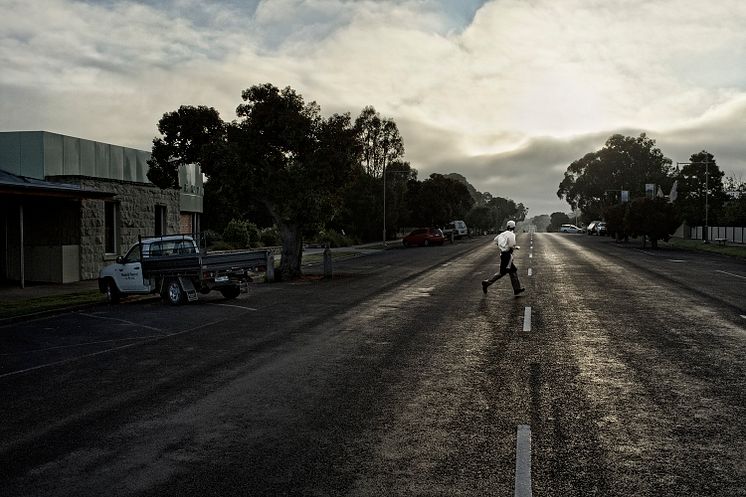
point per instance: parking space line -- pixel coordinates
(85, 344)
(731, 274)
(233, 305)
(113, 349)
(527, 319)
(523, 462)
(131, 323)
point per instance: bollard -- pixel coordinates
(269, 276)
(327, 263)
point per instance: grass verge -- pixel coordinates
(699, 246)
(23, 307)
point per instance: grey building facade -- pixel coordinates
(68, 205)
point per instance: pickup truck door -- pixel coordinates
(129, 273)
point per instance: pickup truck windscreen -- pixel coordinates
(170, 247)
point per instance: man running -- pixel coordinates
(506, 243)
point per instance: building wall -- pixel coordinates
(102, 167)
(136, 217)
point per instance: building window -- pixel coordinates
(111, 229)
(161, 222)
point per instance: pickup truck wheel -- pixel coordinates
(173, 293)
(230, 292)
(111, 292)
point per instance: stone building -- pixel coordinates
(69, 206)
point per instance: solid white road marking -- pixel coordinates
(523, 462)
(530, 272)
(731, 274)
(527, 319)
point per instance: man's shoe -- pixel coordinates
(519, 291)
(485, 284)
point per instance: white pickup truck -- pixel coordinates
(173, 266)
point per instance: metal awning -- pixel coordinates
(10, 184)
(19, 188)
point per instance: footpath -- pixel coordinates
(38, 300)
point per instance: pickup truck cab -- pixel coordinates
(173, 266)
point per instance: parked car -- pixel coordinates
(424, 236)
(570, 228)
(591, 228)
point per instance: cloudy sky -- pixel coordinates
(506, 92)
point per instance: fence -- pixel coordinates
(729, 233)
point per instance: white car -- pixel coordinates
(570, 228)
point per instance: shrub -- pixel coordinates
(270, 237)
(209, 237)
(332, 237)
(254, 235)
(236, 233)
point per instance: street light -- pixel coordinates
(706, 162)
(384, 202)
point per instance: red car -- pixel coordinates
(424, 236)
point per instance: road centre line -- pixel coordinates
(731, 274)
(530, 272)
(523, 462)
(527, 319)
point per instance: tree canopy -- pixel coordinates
(693, 181)
(280, 152)
(624, 163)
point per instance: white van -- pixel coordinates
(458, 228)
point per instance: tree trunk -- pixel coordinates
(292, 251)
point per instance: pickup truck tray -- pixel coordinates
(227, 260)
(183, 265)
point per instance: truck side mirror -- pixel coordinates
(120, 259)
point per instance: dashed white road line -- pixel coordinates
(530, 272)
(523, 462)
(527, 319)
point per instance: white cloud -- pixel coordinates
(507, 93)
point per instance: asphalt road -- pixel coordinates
(397, 378)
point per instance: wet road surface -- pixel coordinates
(621, 370)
